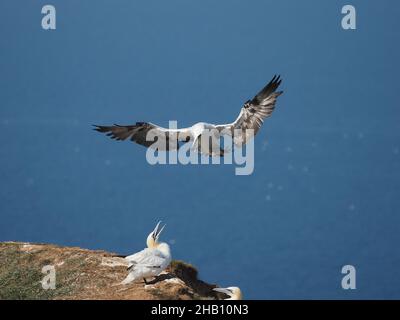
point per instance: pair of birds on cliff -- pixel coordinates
(154, 259)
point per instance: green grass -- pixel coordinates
(183, 270)
(20, 276)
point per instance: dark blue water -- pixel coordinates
(325, 190)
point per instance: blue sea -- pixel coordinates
(325, 191)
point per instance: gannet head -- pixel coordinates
(234, 293)
(152, 238)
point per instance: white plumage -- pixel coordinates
(149, 262)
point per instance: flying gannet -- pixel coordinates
(234, 293)
(251, 116)
(151, 261)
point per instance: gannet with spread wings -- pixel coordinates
(247, 124)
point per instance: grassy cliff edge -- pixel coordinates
(89, 274)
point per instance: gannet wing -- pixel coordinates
(139, 133)
(135, 256)
(150, 258)
(254, 112)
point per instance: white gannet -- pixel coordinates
(234, 293)
(151, 261)
(251, 116)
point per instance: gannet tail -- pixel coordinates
(130, 278)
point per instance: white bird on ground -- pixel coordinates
(151, 261)
(234, 293)
(251, 116)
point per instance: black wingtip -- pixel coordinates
(101, 128)
(276, 79)
(271, 87)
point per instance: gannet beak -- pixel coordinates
(157, 227)
(223, 290)
(157, 231)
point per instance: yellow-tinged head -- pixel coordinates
(152, 238)
(234, 293)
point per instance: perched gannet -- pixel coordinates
(151, 261)
(234, 293)
(251, 116)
